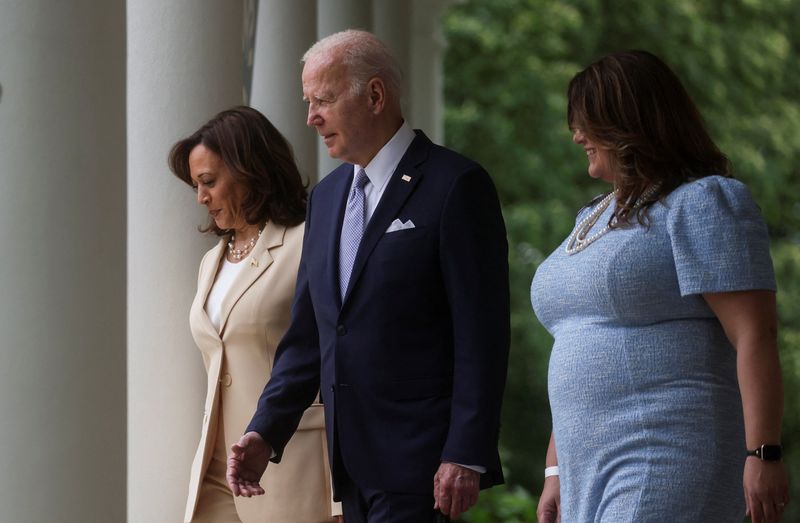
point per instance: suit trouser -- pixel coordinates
(365, 505)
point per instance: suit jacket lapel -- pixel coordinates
(255, 264)
(204, 283)
(402, 183)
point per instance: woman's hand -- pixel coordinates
(549, 509)
(766, 490)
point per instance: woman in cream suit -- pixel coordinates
(243, 171)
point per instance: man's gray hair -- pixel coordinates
(365, 57)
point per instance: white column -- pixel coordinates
(184, 66)
(427, 85)
(249, 12)
(62, 276)
(337, 15)
(392, 24)
(285, 30)
(334, 16)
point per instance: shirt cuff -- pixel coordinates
(476, 468)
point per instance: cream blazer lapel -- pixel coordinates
(205, 280)
(255, 264)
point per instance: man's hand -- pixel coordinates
(246, 464)
(455, 489)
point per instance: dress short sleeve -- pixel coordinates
(719, 239)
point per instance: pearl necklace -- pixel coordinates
(578, 240)
(238, 254)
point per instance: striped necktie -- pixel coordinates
(352, 229)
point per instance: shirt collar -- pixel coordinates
(383, 164)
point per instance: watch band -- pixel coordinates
(767, 452)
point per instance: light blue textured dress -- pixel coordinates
(647, 415)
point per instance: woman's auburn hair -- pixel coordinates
(258, 156)
(632, 104)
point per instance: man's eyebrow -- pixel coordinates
(326, 96)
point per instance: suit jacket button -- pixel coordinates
(226, 380)
(340, 330)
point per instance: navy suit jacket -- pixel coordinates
(411, 365)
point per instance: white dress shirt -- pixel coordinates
(382, 166)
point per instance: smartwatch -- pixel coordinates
(767, 452)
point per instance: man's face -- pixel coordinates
(342, 119)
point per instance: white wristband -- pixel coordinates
(551, 471)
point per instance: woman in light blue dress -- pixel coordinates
(664, 373)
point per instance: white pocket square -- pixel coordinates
(397, 225)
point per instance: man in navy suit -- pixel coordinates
(401, 312)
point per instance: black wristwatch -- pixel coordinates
(767, 452)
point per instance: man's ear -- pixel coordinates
(376, 91)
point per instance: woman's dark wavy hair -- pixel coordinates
(633, 104)
(259, 157)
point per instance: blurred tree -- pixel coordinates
(506, 72)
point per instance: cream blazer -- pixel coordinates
(255, 314)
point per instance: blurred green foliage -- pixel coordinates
(507, 67)
(508, 504)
